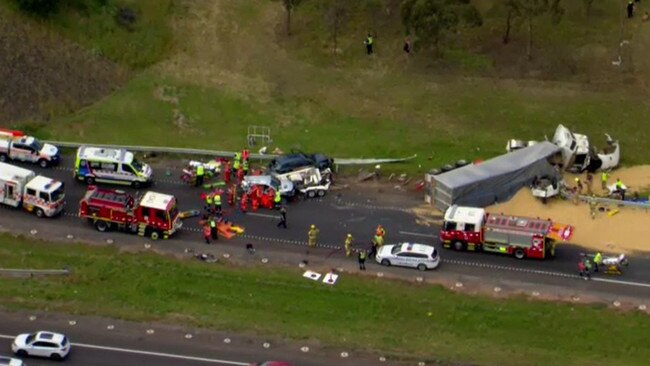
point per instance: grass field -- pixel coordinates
(356, 313)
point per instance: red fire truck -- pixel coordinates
(154, 215)
(472, 229)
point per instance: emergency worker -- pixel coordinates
(200, 173)
(603, 180)
(217, 203)
(208, 202)
(277, 200)
(348, 245)
(598, 260)
(213, 229)
(312, 235)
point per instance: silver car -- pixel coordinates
(412, 255)
(9, 361)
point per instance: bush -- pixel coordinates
(42, 8)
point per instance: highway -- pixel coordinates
(104, 342)
(341, 212)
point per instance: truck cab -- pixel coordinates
(14, 145)
(160, 212)
(462, 227)
(44, 196)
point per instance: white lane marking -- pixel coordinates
(149, 353)
(418, 234)
(262, 215)
(629, 283)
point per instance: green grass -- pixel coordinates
(355, 313)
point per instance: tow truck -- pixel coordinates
(472, 229)
(15, 145)
(154, 215)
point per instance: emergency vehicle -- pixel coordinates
(154, 215)
(469, 228)
(116, 166)
(14, 145)
(43, 196)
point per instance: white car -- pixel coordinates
(42, 344)
(413, 255)
(9, 361)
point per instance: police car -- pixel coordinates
(412, 255)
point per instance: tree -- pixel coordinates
(531, 9)
(289, 7)
(433, 20)
(42, 8)
(335, 15)
(512, 12)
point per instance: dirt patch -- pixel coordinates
(42, 74)
(622, 232)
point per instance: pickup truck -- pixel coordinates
(16, 146)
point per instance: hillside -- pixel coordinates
(217, 67)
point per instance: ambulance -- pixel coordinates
(43, 196)
(14, 145)
(114, 166)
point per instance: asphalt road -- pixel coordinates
(354, 212)
(103, 342)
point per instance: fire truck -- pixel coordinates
(14, 145)
(472, 229)
(154, 215)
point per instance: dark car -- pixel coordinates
(290, 162)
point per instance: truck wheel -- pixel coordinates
(101, 226)
(154, 235)
(136, 185)
(39, 212)
(90, 180)
(321, 193)
(422, 267)
(43, 163)
(519, 253)
(311, 194)
(385, 262)
(459, 246)
(3, 158)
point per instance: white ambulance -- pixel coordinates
(106, 165)
(43, 196)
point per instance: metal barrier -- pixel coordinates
(609, 201)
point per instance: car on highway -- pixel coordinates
(290, 162)
(271, 363)
(41, 344)
(420, 256)
(9, 361)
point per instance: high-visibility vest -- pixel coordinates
(217, 199)
(619, 184)
(598, 258)
(362, 255)
(245, 163)
(213, 223)
(237, 157)
(369, 41)
(603, 177)
(278, 197)
(208, 199)
(348, 241)
(199, 170)
(235, 165)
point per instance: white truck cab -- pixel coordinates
(45, 197)
(14, 145)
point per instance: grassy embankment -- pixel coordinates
(356, 313)
(229, 66)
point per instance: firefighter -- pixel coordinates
(207, 232)
(348, 245)
(213, 228)
(217, 202)
(312, 235)
(379, 241)
(255, 201)
(245, 166)
(244, 202)
(226, 173)
(200, 173)
(240, 175)
(277, 200)
(244, 155)
(380, 231)
(593, 206)
(603, 180)
(598, 260)
(231, 195)
(283, 218)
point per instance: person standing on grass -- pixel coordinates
(407, 46)
(283, 217)
(369, 42)
(630, 9)
(362, 260)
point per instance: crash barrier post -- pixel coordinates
(15, 272)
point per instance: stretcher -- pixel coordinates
(228, 230)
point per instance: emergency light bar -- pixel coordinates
(10, 133)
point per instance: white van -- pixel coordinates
(116, 166)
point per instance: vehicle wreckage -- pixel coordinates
(577, 153)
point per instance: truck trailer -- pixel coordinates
(43, 196)
(154, 215)
(472, 229)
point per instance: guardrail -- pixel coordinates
(609, 201)
(219, 153)
(33, 272)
